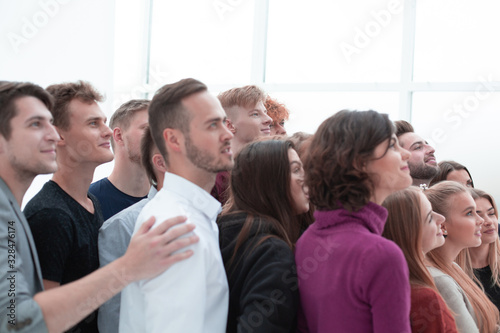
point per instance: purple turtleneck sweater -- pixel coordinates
(351, 279)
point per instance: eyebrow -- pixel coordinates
(417, 143)
(295, 162)
(37, 118)
(211, 120)
(97, 118)
(491, 208)
(468, 208)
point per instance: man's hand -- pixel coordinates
(150, 251)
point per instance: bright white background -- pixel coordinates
(434, 63)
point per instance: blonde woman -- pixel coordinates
(416, 229)
(473, 311)
(483, 262)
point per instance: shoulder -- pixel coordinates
(381, 250)
(98, 185)
(50, 197)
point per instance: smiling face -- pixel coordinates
(422, 161)
(486, 211)
(31, 148)
(87, 140)
(388, 169)
(208, 143)
(462, 222)
(297, 188)
(432, 235)
(251, 123)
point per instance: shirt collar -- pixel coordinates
(192, 193)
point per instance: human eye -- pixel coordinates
(35, 123)
(469, 213)
(491, 213)
(282, 123)
(418, 147)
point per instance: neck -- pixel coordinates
(449, 252)
(417, 182)
(76, 182)
(479, 255)
(17, 184)
(202, 178)
(378, 197)
(130, 178)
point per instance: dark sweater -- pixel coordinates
(493, 292)
(263, 293)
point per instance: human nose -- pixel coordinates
(487, 220)
(106, 131)
(267, 120)
(52, 134)
(479, 220)
(430, 150)
(405, 154)
(227, 134)
(280, 130)
(439, 219)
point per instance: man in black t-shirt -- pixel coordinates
(64, 218)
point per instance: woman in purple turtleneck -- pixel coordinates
(351, 279)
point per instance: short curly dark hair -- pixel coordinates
(341, 146)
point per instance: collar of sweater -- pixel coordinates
(371, 216)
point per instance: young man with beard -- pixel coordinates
(28, 148)
(128, 183)
(422, 162)
(188, 126)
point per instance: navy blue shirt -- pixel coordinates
(111, 199)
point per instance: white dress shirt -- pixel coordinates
(192, 295)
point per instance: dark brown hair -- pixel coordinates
(147, 149)
(260, 187)
(64, 93)
(342, 144)
(445, 167)
(402, 127)
(9, 93)
(167, 111)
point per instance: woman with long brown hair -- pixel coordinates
(482, 263)
(473, 311)
(258, 229)
(351, 279)
(416, 229)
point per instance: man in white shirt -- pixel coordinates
(188, 125)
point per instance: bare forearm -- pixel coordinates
(65, 306)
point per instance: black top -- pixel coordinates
(65, 235)
(111, 199)
(263, 291)
(493, 291)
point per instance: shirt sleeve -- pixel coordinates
(175, 300)
(429, 312)
(53, 233)
(16, 302)
(455, 300)
(270, 289)
(386, 287)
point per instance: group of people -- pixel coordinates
(214, 220)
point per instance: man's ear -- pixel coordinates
(230, 126)
(117, 135)
(61, 141)
(159, 163)
(174, 139)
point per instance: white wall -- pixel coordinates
(54, 41)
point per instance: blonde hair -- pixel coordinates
(440, 196)
(464, 257)
(404, 227)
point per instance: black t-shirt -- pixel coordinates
(493, 291)
(65, 235)
(111, 199)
